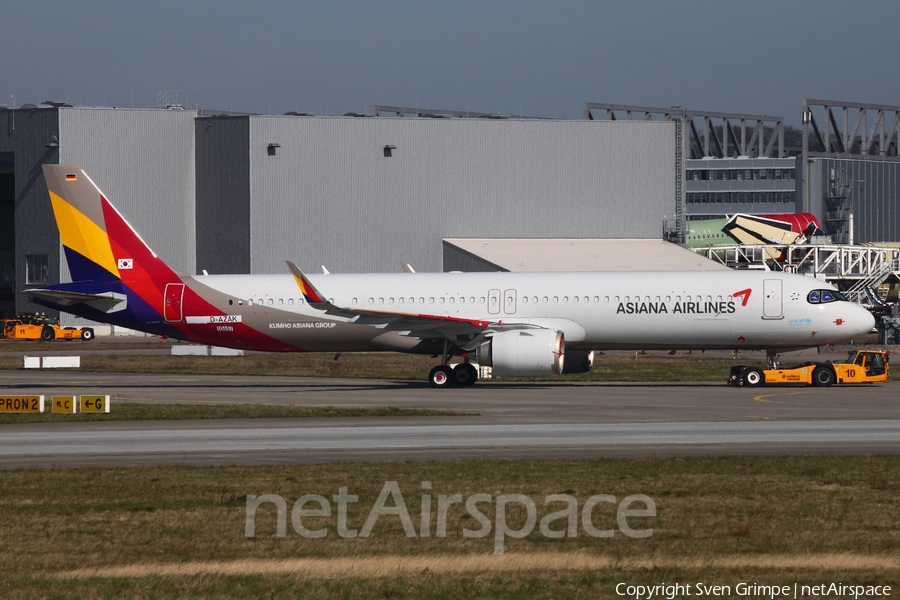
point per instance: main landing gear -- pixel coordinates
(444, 376)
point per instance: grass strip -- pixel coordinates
(722, 520)
(427, 585)
(644, 368)
(136, 343)
(132, 411)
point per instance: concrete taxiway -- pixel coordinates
(513, 420)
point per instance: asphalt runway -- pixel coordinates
(527, 420)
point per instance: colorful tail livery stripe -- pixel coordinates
(118, 279)
(103, 251)
(77, 205)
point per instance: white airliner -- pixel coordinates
(521, 324)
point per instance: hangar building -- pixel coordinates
(363, 194)
(243, 193)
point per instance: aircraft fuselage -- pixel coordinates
(595, 310)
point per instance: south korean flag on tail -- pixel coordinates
(125, 263)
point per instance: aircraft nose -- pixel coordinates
(861, 320)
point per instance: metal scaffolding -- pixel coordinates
(853, 269)
(833, 135)
(711, 134)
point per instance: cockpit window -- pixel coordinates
(824, 296)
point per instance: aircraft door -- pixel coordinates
(494, 302)
(509, 302)
(174, 296)
(772, 295)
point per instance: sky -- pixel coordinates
(544, 59)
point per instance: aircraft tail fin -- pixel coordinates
(99, 244)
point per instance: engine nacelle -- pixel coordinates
(524, 353)
(578, 361)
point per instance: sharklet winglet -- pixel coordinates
(313, 296)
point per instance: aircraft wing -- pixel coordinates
(416, 323)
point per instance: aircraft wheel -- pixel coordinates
(754, 377)
(465, 374)
(822, 377)
(87, 334)
(441, 377)
(47, 334)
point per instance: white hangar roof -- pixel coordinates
(562, 254)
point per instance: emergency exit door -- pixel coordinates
(174, 296)
(509, 302)
(494, 302)
(772, 300)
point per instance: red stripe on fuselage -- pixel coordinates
(148, 278)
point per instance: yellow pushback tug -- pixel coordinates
(29, 326)
(861, 366)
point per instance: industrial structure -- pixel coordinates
(846, 170)
(852, 168)
(732, 162)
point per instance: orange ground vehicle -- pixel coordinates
(861, 366)
(29, 326)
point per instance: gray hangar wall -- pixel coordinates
(143, 161)
(872, 194)
(363, 194)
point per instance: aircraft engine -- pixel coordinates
(524, 353)
(578, 361)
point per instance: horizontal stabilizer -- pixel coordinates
(108, 302)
